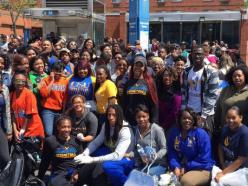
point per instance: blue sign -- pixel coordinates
(139, 22)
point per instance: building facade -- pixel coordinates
(186, 20)
(71, 18)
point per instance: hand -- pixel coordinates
(52, 76)
(21, 133)
(17, 136)
(218, 176)
(83, 159)
(177, 172)
(74, 177)
(41, 84)
(80, 137)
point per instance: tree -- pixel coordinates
(16, 8)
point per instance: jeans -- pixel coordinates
(49, 118)
(116, 171)
(157, 170)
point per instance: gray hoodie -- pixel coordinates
(155, 137)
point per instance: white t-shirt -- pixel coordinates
(194, 99)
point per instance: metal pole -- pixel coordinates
(162, 31)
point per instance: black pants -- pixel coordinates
(92, 175)
(4, 150)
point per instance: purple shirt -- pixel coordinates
(169, 110)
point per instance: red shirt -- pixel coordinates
(23, 105)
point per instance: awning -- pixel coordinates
(194, 16)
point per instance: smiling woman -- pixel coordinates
(235, 94)
(60, 150)
(83, 83)
(189, 151)
(233, 146)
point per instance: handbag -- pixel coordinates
(138, 178)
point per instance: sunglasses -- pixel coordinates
(19, 81)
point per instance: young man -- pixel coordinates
(200, 89)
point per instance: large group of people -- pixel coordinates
(103, 111)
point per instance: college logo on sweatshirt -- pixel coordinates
(66, 152)
(57, 87)
(138, 89)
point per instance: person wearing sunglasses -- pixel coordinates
(53, 94)
(26, 121)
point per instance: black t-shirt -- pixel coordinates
(87, 124)
(235, 143)
(136, 92)
(60, 154)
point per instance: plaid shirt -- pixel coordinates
(209, 90)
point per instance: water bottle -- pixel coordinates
(174, 180)
(141, 152)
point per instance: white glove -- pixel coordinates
(80, 137)
(81, 159)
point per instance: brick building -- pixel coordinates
(24, 23)
(185, 20)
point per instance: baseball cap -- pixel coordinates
(140, 59)
(64, 50)
(223, 49)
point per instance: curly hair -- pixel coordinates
(229, 76)
(6, 60)
(159, 79)
(34, 59)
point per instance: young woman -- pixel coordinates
(234, 94)
(30, 53)
(37, 73)
(105, 92)
(83, 83)
(189, 151)
(180, 62)
(149, 136)
(120, 70)
(59, 151)
(140, 89)
(53, 95)
(25, 118)
(112, 148)
(169, 98)
(233, 147)
(48, 54)
(84, 122)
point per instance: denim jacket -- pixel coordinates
(209, 90)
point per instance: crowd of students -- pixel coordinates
(96, 107)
